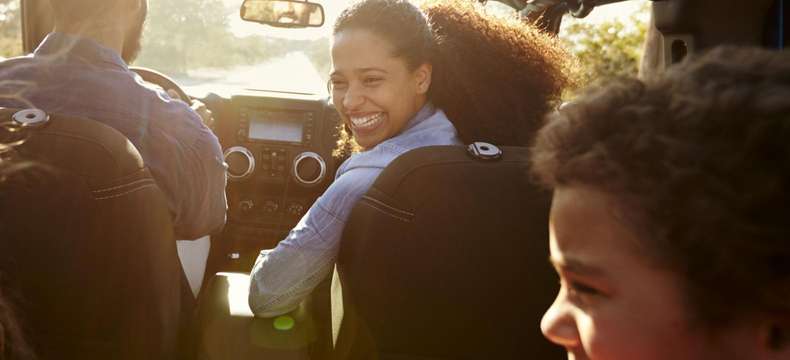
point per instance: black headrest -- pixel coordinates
(94, 151)
(88, 245)
(446, 257)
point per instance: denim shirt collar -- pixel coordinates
(423, 114)
(429, 126)
(72, 47)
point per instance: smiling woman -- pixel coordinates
(402, 79)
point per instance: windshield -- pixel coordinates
(205, 47)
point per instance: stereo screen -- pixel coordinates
(275, 130)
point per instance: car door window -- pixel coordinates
(10, 28)
(607, 43)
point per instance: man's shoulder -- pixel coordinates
(18, 62)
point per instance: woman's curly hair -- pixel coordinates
(495, 78)
(702, 157)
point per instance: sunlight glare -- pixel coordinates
(238, 290)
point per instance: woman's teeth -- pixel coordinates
(367, 122)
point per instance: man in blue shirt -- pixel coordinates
(80, 69)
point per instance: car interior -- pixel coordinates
(387, 297)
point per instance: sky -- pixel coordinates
(333, 7)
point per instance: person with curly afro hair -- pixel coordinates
(494, 77)
(669, 225)
(403, 78)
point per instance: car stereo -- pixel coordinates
(266, 125)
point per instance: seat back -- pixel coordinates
(91, 252)
(446, 257)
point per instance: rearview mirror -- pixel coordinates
(283, 13)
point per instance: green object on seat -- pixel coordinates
(283, 323)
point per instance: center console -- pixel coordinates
(279, 154)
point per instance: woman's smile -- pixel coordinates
(367, 123)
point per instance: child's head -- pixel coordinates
(671, 219)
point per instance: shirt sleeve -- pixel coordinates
(282, 277)
(186, 160)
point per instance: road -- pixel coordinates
(292, 72)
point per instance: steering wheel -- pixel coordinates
(162, 80)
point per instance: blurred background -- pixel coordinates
(205, 46)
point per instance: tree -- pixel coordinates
(184, 34)
(607, 49)
(10, 28)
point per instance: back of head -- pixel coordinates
(14, 336)
(700, 156)
(13, 341)
(37, 205)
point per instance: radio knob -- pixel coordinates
(309, 168)
(241, 163)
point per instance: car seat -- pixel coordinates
(91, 255)
(445, 257)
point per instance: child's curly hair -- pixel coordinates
(701, 156)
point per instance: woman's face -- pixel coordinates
(613, 303)
(375, 92)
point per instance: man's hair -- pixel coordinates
(701, 156)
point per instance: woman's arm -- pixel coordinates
(284, 276)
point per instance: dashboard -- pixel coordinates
(278, 147)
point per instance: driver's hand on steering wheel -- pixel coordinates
(198, 106)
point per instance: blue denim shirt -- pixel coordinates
(282, 277)
(79, 77)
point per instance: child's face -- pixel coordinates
(614, 304)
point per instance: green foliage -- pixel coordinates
(607, 49)
(10, 28)
(182, 35)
